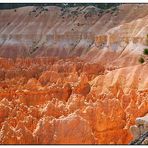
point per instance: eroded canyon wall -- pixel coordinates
(53, 31)
(44, 103)
(90, 99)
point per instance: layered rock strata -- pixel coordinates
(93, 98)
(53, 31)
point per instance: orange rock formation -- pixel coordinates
(69, 105)
(90, 99)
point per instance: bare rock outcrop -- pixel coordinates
(80, 102)
(140, 131)
(87, 97)
(70, 33)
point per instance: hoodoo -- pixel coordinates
(74, 75)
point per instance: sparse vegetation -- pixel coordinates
(62, 5)
(141, 60)
(144, 57)
(145, 52)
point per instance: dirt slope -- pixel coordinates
(38, 31)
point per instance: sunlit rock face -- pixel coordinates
(72, 105)
(53, 31)
(93, 98)
(122, 44)
(72, 129)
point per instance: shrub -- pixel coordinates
(145, 51)
(141, 60)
